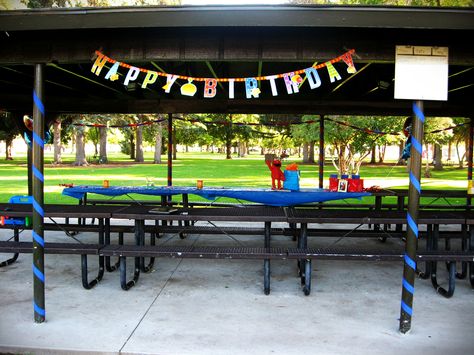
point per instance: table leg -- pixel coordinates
(185, 199)
(378, 207)
(400, 208)
(465, 247)
(307, 277)
(84, 270)
(139, 238)
(452, 270)
(140, 229)
(266, 262)
(303, 244)
(429, 246)
(108, 266)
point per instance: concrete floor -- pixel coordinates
(188, 306)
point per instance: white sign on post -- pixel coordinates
(421, 73)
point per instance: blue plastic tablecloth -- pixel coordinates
(258, 195)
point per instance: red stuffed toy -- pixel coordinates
(277, 174)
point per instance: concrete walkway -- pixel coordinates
(218, 307)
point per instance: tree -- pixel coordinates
(38, 4)
(8, 131)
(430, 3)
(94, 136)
(460, 135)
(350, 144)
(187, 133)
(307, 134)
(80, 132)
(436, 134)
(223, 132)
(57, 147)
(153, 134)
(139, 141)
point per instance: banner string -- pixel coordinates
(267, 124)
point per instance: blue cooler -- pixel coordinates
(292, 180)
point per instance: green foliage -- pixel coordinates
(421, 3)
(38, 4)
(353, 145)
(438, 124)
(8, 127)
(306, 133)
(125, 146)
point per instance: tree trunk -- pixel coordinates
(57, 148)
(311, 153)
(382, 150)
(305, 153)
(228, 148)
(460, 158)
(175, 144)
(8, 148)
(372, 154)
(139, 145)
(103, 145)
(80, 149)
(158, 143)
(132, 146)
(427, 165)
(73, 143)
(438, 158)
(242, 149)
(450, 147)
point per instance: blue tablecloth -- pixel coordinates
(258, 195)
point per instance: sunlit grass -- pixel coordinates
(214, 169)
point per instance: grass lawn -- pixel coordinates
(214, 169)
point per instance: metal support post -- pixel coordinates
(170, 152)
(409, 267)
(469, 160)
(38, 196)
(321, 151)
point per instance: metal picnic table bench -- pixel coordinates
(431, 218)
(262, 214)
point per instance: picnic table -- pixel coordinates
(261, 213)
(264, 196)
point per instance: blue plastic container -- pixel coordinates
(292, 180)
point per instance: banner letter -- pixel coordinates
(150, 78)
(291, 86)
(347, 58)
(231, 88)
(273, 85)
(251, 88)
(313, 78)
(333, 74)
(99, 64)
(131, 75)
(112, 73)
(210, 88)
(170, 79)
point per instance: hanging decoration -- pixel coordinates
(251, 85)
(267, 124)
(189, 89)
(28, 133)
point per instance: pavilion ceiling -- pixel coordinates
(214, 50)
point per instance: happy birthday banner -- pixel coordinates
(292, 80)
